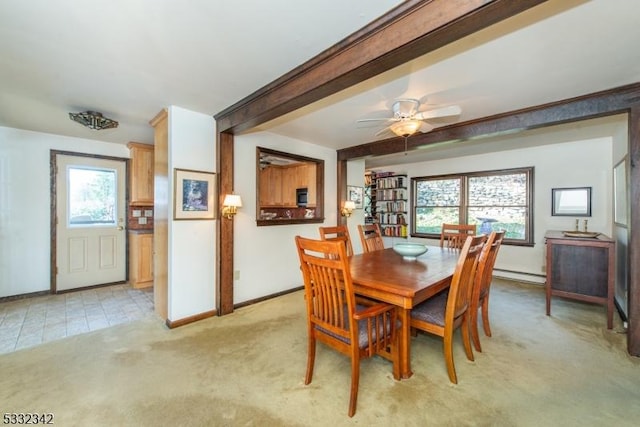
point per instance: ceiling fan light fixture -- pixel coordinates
(405, 128)
(93, 120)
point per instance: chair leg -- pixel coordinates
(311, 358)
(355, 380)
(447, 344)
(464, 328)
(473, 326)
(485, 316)
(395, 349)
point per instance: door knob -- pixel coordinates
(120, 227)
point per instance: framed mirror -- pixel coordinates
(290, 188)
(574, 201)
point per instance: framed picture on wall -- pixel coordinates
(194, 195)
(574, 201)
(355, 194)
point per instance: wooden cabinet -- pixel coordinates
(289, 185)
(141, 182)
(278, 185)
(271, 187)
(141, 259)
(580, 268)
(161, 210)
(310, 172)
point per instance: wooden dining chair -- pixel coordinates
(442, 314)
(371, 237)
(340, 233)
(334, 318)
(482, 285)
(453, 236)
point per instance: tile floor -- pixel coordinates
(31, 321)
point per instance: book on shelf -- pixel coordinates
(396, 181)
(394, 230)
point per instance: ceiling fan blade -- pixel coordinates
(383, 131)
(387, 119)
(452, 110)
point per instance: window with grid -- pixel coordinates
(492, 200)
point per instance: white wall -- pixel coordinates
(192, 244)
(576, 155)
(266, 257)
(355, 176)
(25, 200)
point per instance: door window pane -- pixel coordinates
(92, 196)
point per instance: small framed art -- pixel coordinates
(194, 194)
(355, 194)
(571, 201)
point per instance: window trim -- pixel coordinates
(464, 200)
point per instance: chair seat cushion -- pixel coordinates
(432, 310)
(363, 338)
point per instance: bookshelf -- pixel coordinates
(370, 197)
(391, 203)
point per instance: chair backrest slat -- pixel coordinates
(486, 262)
(453, 236)
(339, 233)
(328, 285)
(371, 237)
(464, 276)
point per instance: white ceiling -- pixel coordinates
(129, 59)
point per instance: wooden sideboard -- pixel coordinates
(581, 268)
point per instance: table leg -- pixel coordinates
(405, 343)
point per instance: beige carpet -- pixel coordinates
(246, 369)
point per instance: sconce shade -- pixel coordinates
(232, 200)
(93, 120)
(405, 127)
(347, 208)
(349, 204)
(230, 205)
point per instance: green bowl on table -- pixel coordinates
(410, 251)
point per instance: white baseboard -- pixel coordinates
(520, 276)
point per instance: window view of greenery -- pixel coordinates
(436, 201)
(92, 196)
(491, 200)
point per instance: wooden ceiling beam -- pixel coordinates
(599, 104)
(409, 31)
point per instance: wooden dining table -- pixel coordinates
(386, 276)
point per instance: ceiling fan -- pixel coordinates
(407, 119)
(267, 160)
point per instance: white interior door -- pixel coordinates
(90, 226)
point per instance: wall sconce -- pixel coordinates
(348, 208)
(230, 205)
